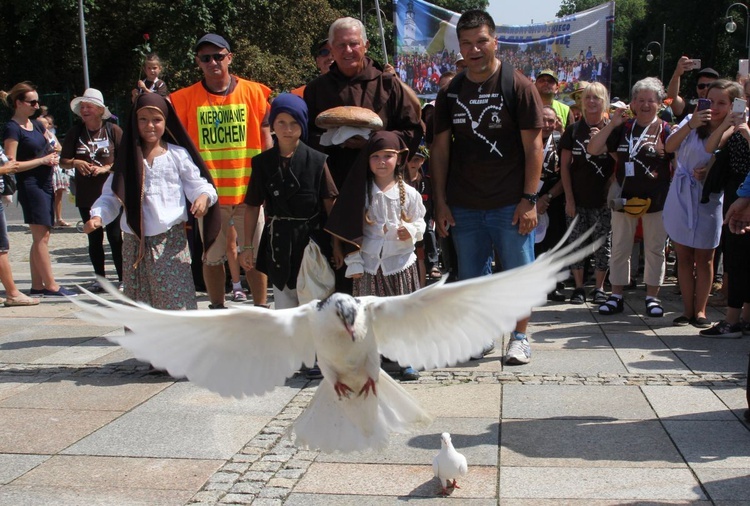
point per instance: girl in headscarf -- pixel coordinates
(157, 168)
(385, 263)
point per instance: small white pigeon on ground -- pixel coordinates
(249, 351)
(448, 464)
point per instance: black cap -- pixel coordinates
(320, 45)
(708, 72)
(212, 38)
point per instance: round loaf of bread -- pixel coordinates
(349, 115)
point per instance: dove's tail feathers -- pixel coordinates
(398, 409)
(330, 424)
(358, 423)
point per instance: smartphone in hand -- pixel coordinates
(739, 105)
(703, 104)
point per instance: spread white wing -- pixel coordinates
(444, 324)
(234, 352)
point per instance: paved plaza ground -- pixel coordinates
(612, 410)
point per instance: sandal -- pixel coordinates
(653, 308)
(578, 297)
(598, 297)
(435, 273)
(612, 305)
(21, 300)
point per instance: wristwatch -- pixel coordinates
(531, 197)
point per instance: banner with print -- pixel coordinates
(577, 47)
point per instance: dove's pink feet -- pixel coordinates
(369, 386)
(455, 485)
(342, 389)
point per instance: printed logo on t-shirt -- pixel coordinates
(487, 118)
(222, 126)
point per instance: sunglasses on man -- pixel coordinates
(217, 57)
(324, 52)
(702, 86)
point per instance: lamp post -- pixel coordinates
(650, 55)
(731, 26)
(380, 27)
(84, 53)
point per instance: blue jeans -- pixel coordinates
(477, 233)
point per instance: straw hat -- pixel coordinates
(91, 96)
(579, 87)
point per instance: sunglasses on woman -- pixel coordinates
(205, 58)
(32, 103)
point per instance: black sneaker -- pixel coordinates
(409, 374)
(314, 373)
(723, 330)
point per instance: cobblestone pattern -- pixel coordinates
(446, 377)
(266, 470)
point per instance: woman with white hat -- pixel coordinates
(90, 149)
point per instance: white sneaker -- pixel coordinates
(518, 352)
(239, 296)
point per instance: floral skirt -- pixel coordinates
(60, 180)
(400, 283)
(162, 278)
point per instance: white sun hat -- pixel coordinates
(92, 96)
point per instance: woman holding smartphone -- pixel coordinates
(733, 136)
(695, 227)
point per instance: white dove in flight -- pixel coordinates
(249, 351)
(448, 464)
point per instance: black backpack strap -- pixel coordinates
(507, 89)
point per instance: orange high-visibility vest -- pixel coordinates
(226, 130)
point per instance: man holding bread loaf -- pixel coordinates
(487, 161)
(356, 80)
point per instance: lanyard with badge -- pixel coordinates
(633, 150)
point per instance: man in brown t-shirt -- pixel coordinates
(487, 161)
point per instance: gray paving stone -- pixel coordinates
(726, 484)
(185, 396)
(201, 435)
(589, 337)
(711, 444)
(90, 393)
(321, 499)
(689, 403)
(587, 443)
(14, 466)
(575, 401)
(621, 484)
(586, 362)
(68, 496)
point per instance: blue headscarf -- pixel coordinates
(293, 106)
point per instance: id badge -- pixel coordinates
(629, 169)
(103, 144)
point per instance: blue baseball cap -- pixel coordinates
(214, 39)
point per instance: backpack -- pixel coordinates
(506, 88)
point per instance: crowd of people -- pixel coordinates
(422, 71)
(361, 213)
